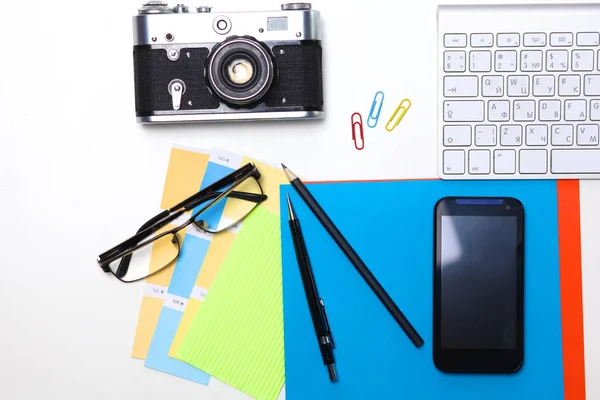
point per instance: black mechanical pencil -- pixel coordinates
(315, 303)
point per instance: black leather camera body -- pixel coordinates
(199, 66)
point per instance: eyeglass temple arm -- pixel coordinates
(252, 197)
(225, 181)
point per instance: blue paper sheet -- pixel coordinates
(187, 267)
(390, 225)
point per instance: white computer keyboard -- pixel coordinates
(519, 92)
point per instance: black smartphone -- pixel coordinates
(478, 284)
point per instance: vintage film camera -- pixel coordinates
(195, 65)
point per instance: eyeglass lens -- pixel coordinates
(160, 252)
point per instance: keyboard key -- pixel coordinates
(591, 85)
(575, 110)
(557, 60)
(510, 135)
(454, 162)
(536, 135)
(582, 60)
(454, 61)
(460, 86)
(575, 161)
(505, 161)
(534, 39)
(588, 39)
(524, 110)
(549, 110)
(464, 111)
(595, 110)
(531, 60)
(543, 85)
(457, 135)
(485, 135)
(455, 40)
(562, 135)
(508, 40)
(569, 85)
(506, 61)
(587, 135)
(533, 161)
(480, 61)
(498, 110)
(562, 39)
(482, 40)
(479, 162)
(492, 86)
(518, 86)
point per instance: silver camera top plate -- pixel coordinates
(157, 24)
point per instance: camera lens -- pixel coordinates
(240, 71)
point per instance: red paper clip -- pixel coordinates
(361, 138)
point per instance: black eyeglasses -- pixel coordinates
(157, 243)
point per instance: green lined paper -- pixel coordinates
(237, 334)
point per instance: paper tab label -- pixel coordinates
(225, 158)
(199, 293)
(195, 231)
(155, 291)
(226, 221)
(175, 302)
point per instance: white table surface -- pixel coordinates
(77, 173)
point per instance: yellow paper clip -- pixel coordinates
(402, 109)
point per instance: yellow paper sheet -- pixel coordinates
(184, 177)
(271, 178)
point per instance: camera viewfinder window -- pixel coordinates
(277, 24)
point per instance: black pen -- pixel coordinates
(315, 303)
(351, 254)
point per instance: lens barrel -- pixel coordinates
(240, 70)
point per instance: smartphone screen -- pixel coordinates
(478, 304)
